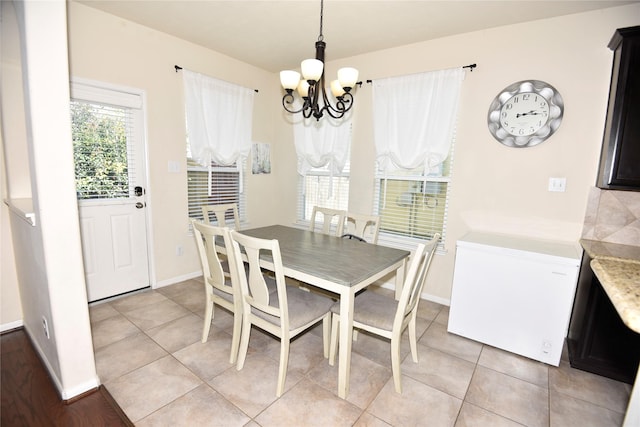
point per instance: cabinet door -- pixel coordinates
(620, 157)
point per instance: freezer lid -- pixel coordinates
(520, 245)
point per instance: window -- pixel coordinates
(108, 143)
(219, 121)
(414, 131)
(412, 204)
(100, 150)
(225, 187)
(319, 188)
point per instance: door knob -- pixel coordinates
(139, 205)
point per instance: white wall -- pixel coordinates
(48, 254)
(12, 127)
(497, 188)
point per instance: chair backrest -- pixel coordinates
(327, 217)
(253, 287)
(206, 236)
(414, 281)
(364, 226)
(220, 214)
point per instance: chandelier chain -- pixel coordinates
(320, 36)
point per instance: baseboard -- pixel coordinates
(70, 393)
(11, 325)
(424, 296)
(177, 279)
(65, 394)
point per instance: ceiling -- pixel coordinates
(275, 35)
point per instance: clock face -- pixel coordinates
(525, 113)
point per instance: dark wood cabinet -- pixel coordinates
(599, 341)
(620, 156)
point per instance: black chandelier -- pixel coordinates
(311, 86)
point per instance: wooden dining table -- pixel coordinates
(342, 266)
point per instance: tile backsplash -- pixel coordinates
(613, 217)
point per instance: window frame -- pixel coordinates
(405, 241)
(193, 208)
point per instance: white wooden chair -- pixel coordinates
(219, 288)
(220, 214)
(286, 313)
(366, 227)
(328, 216)
(386, 317)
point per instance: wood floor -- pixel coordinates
(29, 397)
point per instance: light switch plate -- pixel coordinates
(173, 166)
(558, 184)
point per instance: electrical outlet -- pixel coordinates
(557, 184)
(45, 326)
(179, 250)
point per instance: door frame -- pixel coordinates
(145, 159)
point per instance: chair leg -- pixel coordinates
(413, 340)
(395, 363)
(333, 348)
(326, 327)
(208, 315)
(284, 362)
(244, 342)
(235, 339)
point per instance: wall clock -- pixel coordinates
(525, 113)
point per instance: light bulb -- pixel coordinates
(336, 89)
(312, 69)
(289, 79)
(348, 77)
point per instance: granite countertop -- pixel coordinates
(617, 267)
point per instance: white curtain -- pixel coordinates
(414, 118)
(323, 142)
(219, 119)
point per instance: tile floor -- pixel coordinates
(149, 356)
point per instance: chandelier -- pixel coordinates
(312, 87)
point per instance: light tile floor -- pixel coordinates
(150, 358)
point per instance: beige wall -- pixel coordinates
(497, 188)
(105, 48)
(494, 188)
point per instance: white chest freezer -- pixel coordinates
(514, 293)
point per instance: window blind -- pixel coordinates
(319, 188)
(412, 204)
(103, 149)
(225, 188)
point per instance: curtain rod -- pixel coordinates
(470, 67)
(178, 68)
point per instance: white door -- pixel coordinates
(108, 135)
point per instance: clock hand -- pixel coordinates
(530, 113)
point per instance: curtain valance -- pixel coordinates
(414, 118)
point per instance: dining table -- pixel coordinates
(341, 266)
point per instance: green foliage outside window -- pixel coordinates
(99, 135)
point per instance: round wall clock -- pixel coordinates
(525, 113)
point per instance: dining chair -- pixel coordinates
(219, 288)
(386, 317)
(286, 313)
(220, 214)
(366, 227)
(328, 216)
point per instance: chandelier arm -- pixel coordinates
(343, 104)
(288, 99)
